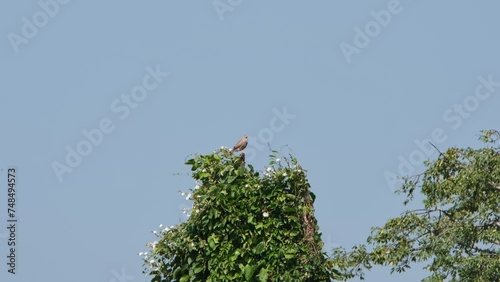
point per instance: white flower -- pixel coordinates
(284, 174)
(188, 196)
(196, 187)
(277, 160)
(265, 214)
(152, 261)
(141, 253)
(269, 169)
(166, 229)
(154, 232)
(197, 211)
(160, 226)
(222, 147)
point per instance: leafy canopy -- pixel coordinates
(457, 230)
(244, 226)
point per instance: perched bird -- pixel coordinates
(242, 144)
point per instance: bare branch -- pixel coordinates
(440, 153)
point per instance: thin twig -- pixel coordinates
(440, 153)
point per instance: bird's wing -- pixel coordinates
(239, 143)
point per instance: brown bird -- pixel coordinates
(242, 144)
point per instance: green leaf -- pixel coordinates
(231, 179)
(204, 175)
(211, 242)
(263, 275)
(259, 248)
(313, 196)
(240, 171)
(176, 272)
(198, 269)
(291, 253)
(249, 271)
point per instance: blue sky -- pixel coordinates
(103, 101)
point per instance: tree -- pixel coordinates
(456, 232)
(244, 226)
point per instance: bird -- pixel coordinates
(241, 145)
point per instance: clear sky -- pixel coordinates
(102, 101)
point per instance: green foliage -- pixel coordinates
(243, 226)
(456, 232)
